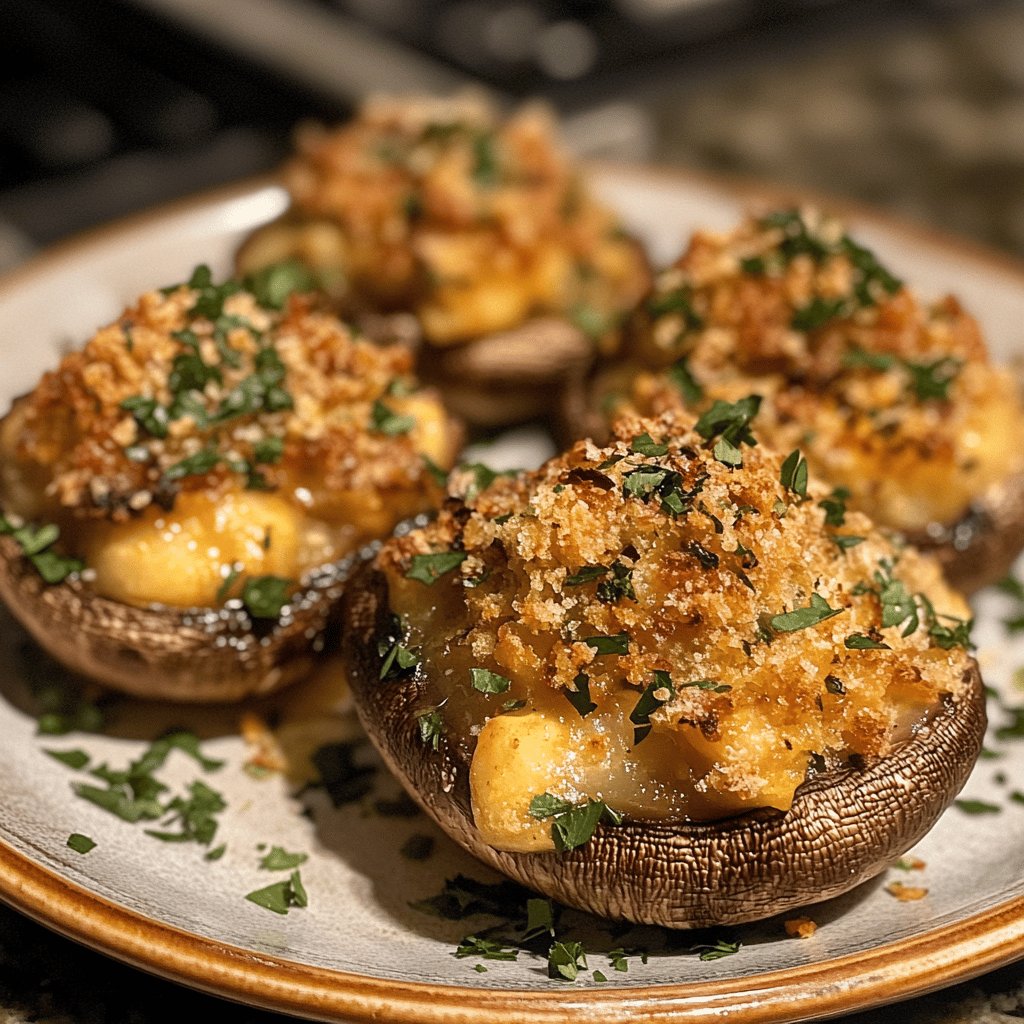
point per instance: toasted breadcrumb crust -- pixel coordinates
(891, 398)
(73, 451)
(473, 222)
(754, 706)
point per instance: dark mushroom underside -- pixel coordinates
(844, 827)
(199, 655)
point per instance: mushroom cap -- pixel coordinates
(200, 655)
(503, 378)
(982, 545)
(844, 827)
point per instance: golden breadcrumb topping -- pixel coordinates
(890, 398)
(679, 614)
(474, 223)
(198, 401)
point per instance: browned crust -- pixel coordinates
(974, 552)
(843, 828)
(202, 655)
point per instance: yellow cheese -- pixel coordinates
(181, 558)
(517, 758)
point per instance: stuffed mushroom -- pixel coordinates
(181, 496)
(473, 237)
(895, 403)
(655, 681)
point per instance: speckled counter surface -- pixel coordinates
(926, 121)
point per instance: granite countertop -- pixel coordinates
(926, 121)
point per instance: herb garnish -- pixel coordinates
(925, 380)
(864, 642)
(80, 843)
(486, 681)
(428, 569)
(264, 597)
(835, 507)
(617, 643)
(566, 960)
(488, 949)
(398, 659)
(585, 574)
(729, 422)
(655, 695)
(431, 726)
(36, 543)
(644, 444)
(794, 473)
(271, 286)
(572, 824)
(281, 860)
(280, 897)
(385, 420)
(620, 585)
(976, 807)
(717, 950)
(800, 618)
(688, 385)
(579, 697)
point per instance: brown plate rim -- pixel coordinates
(923, 963)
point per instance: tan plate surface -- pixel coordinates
(359, 952)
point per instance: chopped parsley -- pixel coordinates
(280, 897)
(572, 825)
(486, 681)
(685, 382)
(644, 444)
(264, 597)
(148, 413)
(579, 696)
(800, 618)
(80, 844)
(195, 815)
(835, 507)
(201, 462)
(566, 960)
(431, 728)
(384, 420)
(617, 643)
(977, 807)
(280, 859)
(398, 660)
(716, 950)
(794, 473)
(655, 695)
(271, 286)
(925, 381)
(486, 169)
(487, 949)
(428, 569)
(76, 759)
(678, 300)
(620, 585)
(864, 642)
(845, 541)
(728, 424)
(586, 574)
(36, 543)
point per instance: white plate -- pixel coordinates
(359, 951)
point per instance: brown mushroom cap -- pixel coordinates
(201, 655)
(982, 546)
(843, 828)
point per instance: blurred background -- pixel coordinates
(111, 106)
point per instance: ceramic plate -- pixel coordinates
(361, 950)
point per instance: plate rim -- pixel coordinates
(909, 967)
